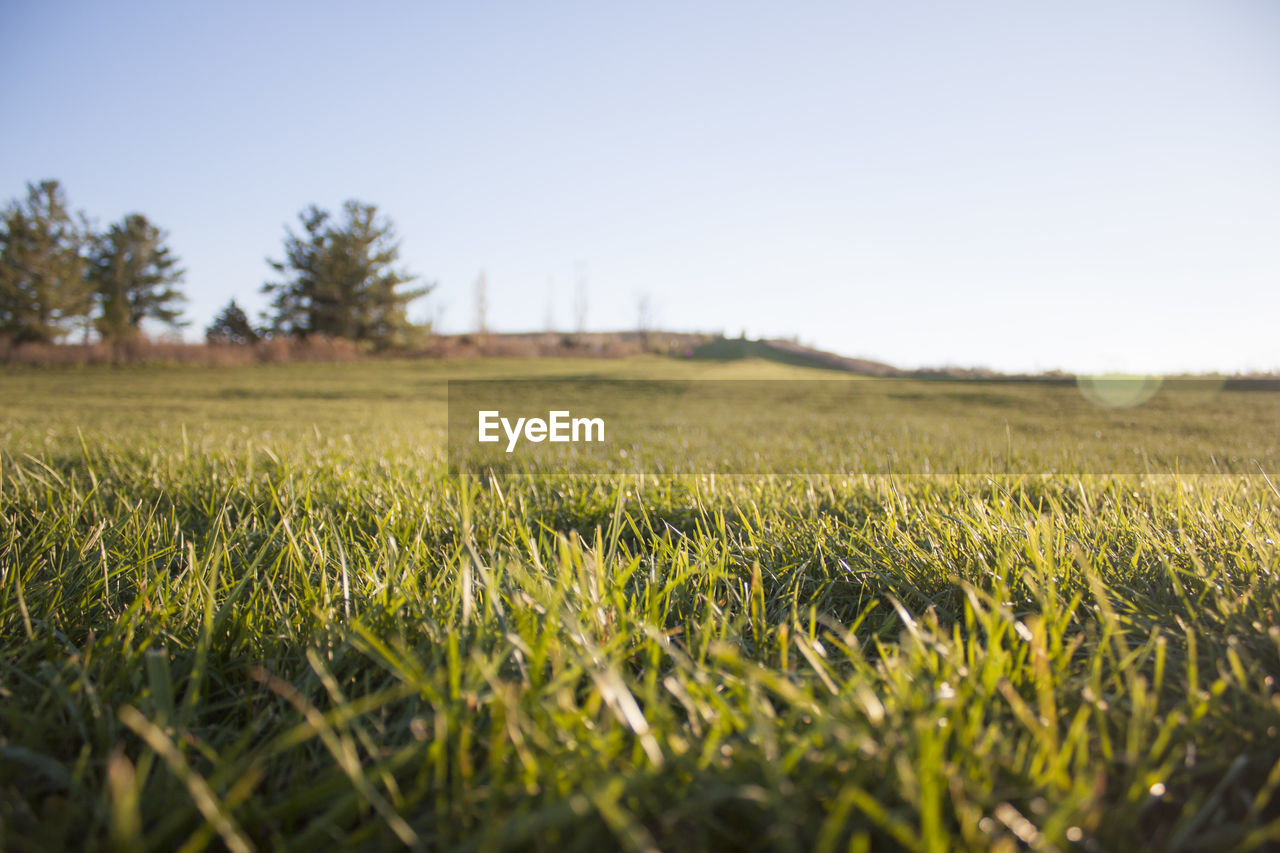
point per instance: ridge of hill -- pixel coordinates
(793, 353)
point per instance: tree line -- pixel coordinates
(60, 275)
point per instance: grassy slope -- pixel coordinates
(249, 607)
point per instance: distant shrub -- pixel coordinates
(140, 350)
(221, 350)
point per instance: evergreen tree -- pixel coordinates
(42, 285)
(340, 278)
(133, 276)
(231, 326)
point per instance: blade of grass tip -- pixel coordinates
(304, 731)
(625, 828)
(804, 644)
(50, 768)
(615, 523)
(856, 797)
(343, 753)
(465, 584)
(613, 690)
(1211, 805)
(160, 684)
(1258, 839)
(240, 791)
(616, 694)
(351, 722)
(22, 605)
(203, 797)
(62, 483)
(1268, 479)
(204, 641)
(88, 461)
(1025, 830)
(346, 583)
(126, 819)
(1263, 797)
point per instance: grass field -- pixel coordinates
(251, 608)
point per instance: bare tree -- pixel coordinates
(580, 299)
(644, 313)
(481, 293)
(550, 321)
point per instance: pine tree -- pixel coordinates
(231, 326)
(133, 273)
(340, 279)
(42, 286)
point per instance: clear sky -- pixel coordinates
(1083, 185)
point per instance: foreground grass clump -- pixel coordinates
(264, 634)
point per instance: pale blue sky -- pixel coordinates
(1085, 185)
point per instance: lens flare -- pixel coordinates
(1118, 390)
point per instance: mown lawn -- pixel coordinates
(252, 608)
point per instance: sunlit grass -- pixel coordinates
(237, 612)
